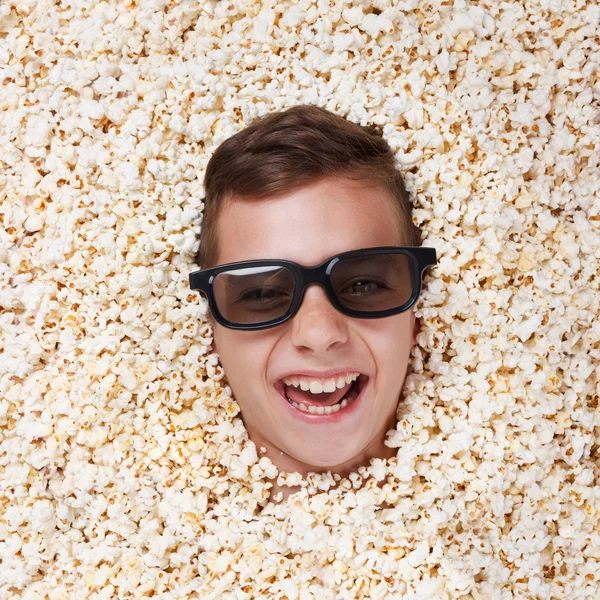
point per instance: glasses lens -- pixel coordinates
(373, 283)
(254, 294)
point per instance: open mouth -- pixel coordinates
(322, 404)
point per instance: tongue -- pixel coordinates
(309, 399)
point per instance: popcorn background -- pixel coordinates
(125, 470)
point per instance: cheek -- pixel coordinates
(391, 349)
(243, 359)
(392, 338)
(392, 355)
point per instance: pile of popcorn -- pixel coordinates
(125, 469)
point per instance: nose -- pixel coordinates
(318, 324)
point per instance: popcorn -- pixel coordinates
(31, 429)
(122, 444)
(373, 25)
(43, 518)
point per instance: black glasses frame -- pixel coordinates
(421, 258)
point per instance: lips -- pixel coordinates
(351, 408)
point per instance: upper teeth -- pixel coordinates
(326, 385)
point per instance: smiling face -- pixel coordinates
(308, 226)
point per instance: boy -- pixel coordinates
(317, 370)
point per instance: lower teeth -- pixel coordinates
(325, 410)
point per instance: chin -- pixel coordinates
(325, 462)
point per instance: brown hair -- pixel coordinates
(289, 149)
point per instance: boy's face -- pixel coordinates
(307, 226)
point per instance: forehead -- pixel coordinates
(308, 225)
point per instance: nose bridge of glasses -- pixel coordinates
(308, 276)
(317, 274)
